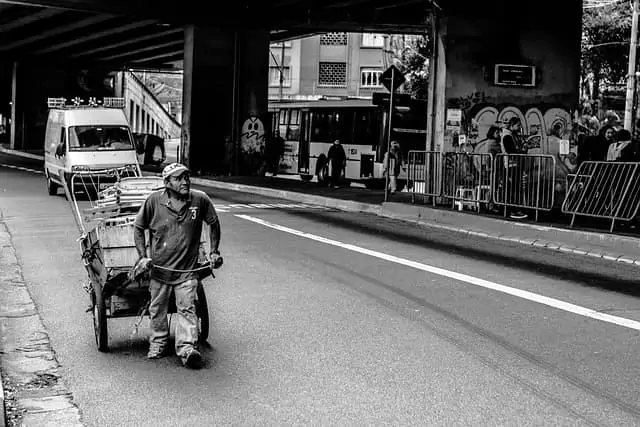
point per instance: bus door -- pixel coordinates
(305, 135)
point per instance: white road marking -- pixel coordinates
(21, 168)
(541, 299)
(252, 206)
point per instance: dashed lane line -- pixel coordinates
(530, 296)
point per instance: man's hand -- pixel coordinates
(143, 264)
(215, 259)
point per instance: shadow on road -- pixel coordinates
(589, 272)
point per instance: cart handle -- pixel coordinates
(217, 265)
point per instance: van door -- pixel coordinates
(55, 146)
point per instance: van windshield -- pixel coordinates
(107, 138)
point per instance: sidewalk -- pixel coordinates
(557, 237)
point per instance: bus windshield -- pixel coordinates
(102, 138)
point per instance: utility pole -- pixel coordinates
(631, 76)
(388, 163)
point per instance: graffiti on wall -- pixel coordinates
(546, 129)
(252, 142)
(252, 136)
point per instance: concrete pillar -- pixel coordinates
(224, 112)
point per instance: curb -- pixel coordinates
(350, 206)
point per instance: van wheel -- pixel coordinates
(52, 187)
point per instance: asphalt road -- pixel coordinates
(330, 318)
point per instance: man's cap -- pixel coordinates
(173, 169)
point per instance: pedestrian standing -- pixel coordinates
(338, 159)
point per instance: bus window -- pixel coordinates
(282, 122)
(367, 127)
(325, 127)
(329, 125)
(293, 131)
(274, 121)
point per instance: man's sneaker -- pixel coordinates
(193, 359)
(156, 353)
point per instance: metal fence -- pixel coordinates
(475, 180)
(525, 181)
(424, 175)
(608, 190)
(467, 179)
(605, 190)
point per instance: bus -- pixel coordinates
(310, 127)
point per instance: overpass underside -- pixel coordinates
(225, 54)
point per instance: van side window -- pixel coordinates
(61, 149)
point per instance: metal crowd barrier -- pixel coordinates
(472, 180)
(467, 179)
(424, 175)
(525, 181)
(608, 190)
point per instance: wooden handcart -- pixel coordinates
(106, 224)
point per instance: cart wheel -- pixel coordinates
(202, 311)
(100, 320)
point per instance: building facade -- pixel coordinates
(331, 64)
(144, 110)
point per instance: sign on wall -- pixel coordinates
(515, 75)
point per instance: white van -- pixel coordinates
(87, 138)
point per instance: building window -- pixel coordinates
(274, 77)
(370, 77)
(332, 74)
(372, 40)
(333, 39)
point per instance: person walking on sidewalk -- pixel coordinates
(174, 217)
(338, 159)
(394, 162)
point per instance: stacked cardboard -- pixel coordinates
(124, 197)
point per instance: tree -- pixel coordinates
(605, 43)
(411, 55)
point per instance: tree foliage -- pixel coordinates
(411, 54)
(605, 42)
